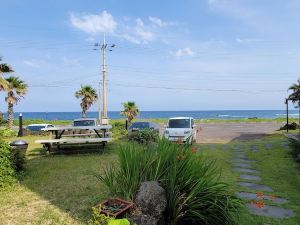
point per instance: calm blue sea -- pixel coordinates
(226, 114)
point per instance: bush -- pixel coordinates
(7, 172)
(7, 133)
(18, 159)
(292, 126)
(144, 136)
(194, 193)
(118, 128)
(101, 219)
(295, 146)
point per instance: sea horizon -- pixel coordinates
(197, 114)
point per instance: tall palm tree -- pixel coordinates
(130, 110)
(16, 90)
(295, 96)
(88, 97)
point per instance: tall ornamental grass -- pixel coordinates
(195, 193)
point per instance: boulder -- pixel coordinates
(143, 220)
(151, 199)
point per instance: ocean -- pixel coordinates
(217, 114)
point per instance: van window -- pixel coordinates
(179, 123)
(84, 123)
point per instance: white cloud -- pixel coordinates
(92, 24)
(31, 63)
(158, 22)
(184, 52)
(247, 40)
(142, 32)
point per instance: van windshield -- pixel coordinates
(179, 123)
(78, 123)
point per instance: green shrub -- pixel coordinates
(98, 218)
(118, 128)
(18, 159)
(295, 146)
(7, 172)
(144, 136)
(194, 192)
(291, 126)
(7, 133)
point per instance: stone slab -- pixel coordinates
(271, 211)
(244, 170)
(253, 196)
(242, 165)
(250, 177)
(255, 187)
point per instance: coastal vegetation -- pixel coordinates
(62, 189)
(88, 96)
(16, 89)
(130, 111)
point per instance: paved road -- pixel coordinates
(226, 132)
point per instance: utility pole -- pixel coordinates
(104, 119)
(99, 102)
(103, 115)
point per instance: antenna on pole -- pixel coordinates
(99, 102)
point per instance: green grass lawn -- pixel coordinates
(61, 189)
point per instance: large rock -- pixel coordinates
(151, 199)
(143, 220)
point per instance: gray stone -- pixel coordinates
(253, 196)
(255, 187)
(238, 160)
(271, 211)
(242, 165)
(151, 199)
(250, 177)
(244, 170)
(143, 220)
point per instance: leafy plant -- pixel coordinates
(144, 136)
(118, 128)
(194, 193)
(291, 126)
(7, 133)
(7, 172)
(98, 218)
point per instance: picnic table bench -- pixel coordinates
(97, 135)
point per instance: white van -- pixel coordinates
(181, 129)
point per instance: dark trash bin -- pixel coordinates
(19, 145)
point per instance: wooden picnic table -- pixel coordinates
(100, 134)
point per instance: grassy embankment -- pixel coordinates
(61, 189)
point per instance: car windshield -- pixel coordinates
(84, 123)
(179, 123)
(35, 128)
(139, 125)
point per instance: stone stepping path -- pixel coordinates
(253, 196)
(245, 170)
(250, 177)
(271, 211)
(242, 164)
(256, 187)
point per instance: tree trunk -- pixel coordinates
(10, 115)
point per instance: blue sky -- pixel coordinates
(169, 55)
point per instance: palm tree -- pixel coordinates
(295, 96)
(16, 90)
(130, 110)
(88, 97)
(4, 68)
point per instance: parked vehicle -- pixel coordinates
(143, 125)
(181, 129)
(85, 122)
(38, 127)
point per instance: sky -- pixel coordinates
(168, 55)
